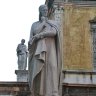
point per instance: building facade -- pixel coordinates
(77, 23)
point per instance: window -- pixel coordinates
(93, 32)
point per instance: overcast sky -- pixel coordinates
(16, 18)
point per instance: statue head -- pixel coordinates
(43, 11)
(22, 41)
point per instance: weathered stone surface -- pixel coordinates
(79, 77)
(22, 75)
(79, 83)
(77, 37)
(79, 90)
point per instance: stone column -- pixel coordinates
(58, 16)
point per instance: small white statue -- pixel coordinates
(22, 55)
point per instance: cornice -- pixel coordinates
(68, 2)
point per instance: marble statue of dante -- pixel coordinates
(22, 55)
(44, 54)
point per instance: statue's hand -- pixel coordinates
(29, 45)
(30, 42)
(43, 19)
(18, 51)
(36, 37)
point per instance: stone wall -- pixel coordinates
(79, 90)
(77, 41)
(14, 89)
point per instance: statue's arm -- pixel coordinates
(47, 33)
(18, 49)
(38, 28)
(32, 39)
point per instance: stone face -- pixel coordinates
(77, 38)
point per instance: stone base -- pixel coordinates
(79, 77)
(22, 75)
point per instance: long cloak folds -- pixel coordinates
(37, 57)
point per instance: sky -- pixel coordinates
(16, 18)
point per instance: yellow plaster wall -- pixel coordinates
(77, 41)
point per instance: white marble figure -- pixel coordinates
(44, 56)
(22, 55)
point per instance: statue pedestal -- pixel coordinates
(22, 75)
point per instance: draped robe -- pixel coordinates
(44, 61)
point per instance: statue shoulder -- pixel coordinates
(35, 24)
(53, 22)
(18, 45)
